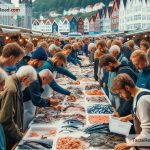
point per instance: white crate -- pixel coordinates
(119, 127)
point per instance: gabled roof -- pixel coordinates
(118, 4)
(104, 11)
(109, 11)
(125, 3)
(80, 18)
(73, 18)
(92, 18)
(69, 18)
(100, 12)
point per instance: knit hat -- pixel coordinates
(39, 54)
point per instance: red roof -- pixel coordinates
(69, 18)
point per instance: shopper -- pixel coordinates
(34, 98)
(11, 54)
(115, 52)
(11, 107)
(67, 52)
(85, 48)
(145, 46)
(3, 78)
(91, 49)
(124, 50)
(124, 86)
(111, 64)
(29, 47)
(101, 50)
(140, 60)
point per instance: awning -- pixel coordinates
(6, 30)
(34, 33)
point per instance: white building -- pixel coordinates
(107, 20)
(136, 15)
(86, 25)
(66, 25)
(44, 25)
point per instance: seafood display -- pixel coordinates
(100, 109)
(92, 86)
(80, 117)
(98, 99)
(94, 92)
(78, 122)
(96, 119)
(70, 143)
(86, 80)
(35, 144)
(98, 128)
(73, 109)
(41, 133)
(77, 91)
(103, 140)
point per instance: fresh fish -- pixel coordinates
(70, 126)
(97, 127)
(100, 109)
(32, 146)
(74, 122)
(44, 142)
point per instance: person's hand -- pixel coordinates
(54, 102)
(77, 82)
(122, 146)
(72, 96)
(124, 119)
(59, 107)
(116, 114)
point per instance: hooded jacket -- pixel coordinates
(143, 78)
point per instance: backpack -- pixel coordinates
(137, 99)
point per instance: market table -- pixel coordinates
(81, 124)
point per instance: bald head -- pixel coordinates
(46, 76)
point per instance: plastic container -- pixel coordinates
(119, 127)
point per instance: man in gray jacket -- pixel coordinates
(11, 105)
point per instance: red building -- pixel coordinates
(115, 16)
(80, 25)
(97, 22)
(92, 24)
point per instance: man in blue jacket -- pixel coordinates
(55, 63)
(140, 60)
(67, 52)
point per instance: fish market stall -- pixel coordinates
(79, 124)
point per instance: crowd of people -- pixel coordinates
(121, 67)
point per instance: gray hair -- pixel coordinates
(52, 47)
(46, 73)
(114, 48)
(27, 71)
(91, 45)
(3, 75)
